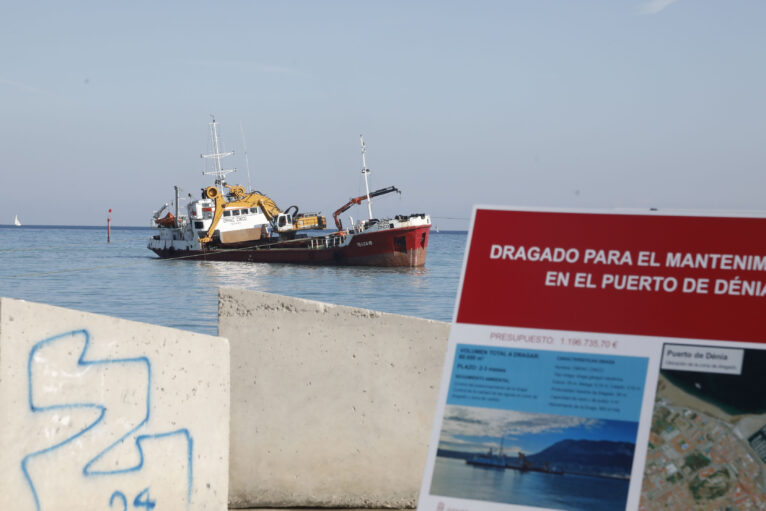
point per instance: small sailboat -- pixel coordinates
(16, 221)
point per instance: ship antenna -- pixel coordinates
(219, 172)
(247, 162)
(366, 171)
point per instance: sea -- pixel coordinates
(454, 478)
(75, 267)
(735, 394)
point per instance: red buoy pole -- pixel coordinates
(109, 226)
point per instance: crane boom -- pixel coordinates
(358, 200)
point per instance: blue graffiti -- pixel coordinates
(120, 495)
(87, 470)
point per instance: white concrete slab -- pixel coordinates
(100, 413)
(332, 406)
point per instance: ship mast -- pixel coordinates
(218, 171)
(366, 171)
(178, 197)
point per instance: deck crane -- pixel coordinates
(358, 200)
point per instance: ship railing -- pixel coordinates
(326, 242)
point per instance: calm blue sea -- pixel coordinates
(454, 478)
(74, 267)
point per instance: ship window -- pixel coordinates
(235, 212)
(198, 225)
(227, 213)
(253, 210)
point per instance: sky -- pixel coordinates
(562, 104)
(473, 429)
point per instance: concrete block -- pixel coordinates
(332, 406)
(100, 413)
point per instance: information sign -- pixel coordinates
(604, 361)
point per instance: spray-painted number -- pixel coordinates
(142, 500)
(119, 495)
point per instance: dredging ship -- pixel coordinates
(502, 461)
(229, 223)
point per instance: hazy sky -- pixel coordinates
(472, 429)
(593, 104)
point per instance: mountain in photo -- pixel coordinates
(588, 456)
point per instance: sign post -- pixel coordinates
(604, 361)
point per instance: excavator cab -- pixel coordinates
(284, 222)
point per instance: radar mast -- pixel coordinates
(366, 171)
(218, 171)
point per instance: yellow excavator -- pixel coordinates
(287, 222)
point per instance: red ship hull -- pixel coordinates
(404, 246)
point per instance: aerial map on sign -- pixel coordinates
(707, 448)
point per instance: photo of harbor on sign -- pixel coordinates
(540, 428)
(521, 458)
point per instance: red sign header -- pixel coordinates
(701, 277)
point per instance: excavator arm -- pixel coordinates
(248, 200)
(241, 199)
(358, 200)
(268, 206)
(211, 192)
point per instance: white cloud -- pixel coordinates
(468, 421)
(655, 6)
